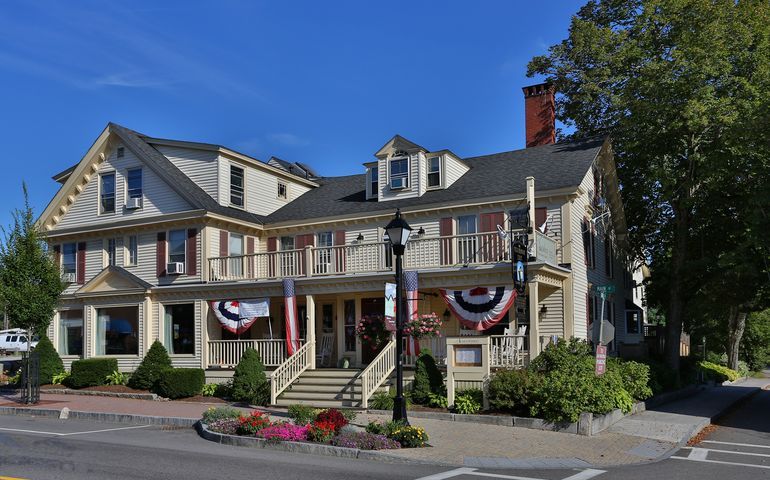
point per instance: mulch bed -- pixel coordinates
(202, 399)
(114, 388)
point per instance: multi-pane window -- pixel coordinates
(283, 191)
(289, 261)
(69, 258)
(111, 250)
(323, 252)
(374, 181)
(287, 243)
(71, 332)
(467, 244)
(399, 173)
(434, 172)
(179, 333)
(236, 186)
(134, 183)
(589, 249)
(132, 251)
(107, 189)
(235, 247)
(176, 246)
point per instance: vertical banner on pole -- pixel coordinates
(412, 295)
(292, 323)
(390, 307)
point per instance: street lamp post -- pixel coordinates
(398, 234)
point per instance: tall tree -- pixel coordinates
(679, 85)
(30, 281)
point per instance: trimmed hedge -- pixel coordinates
(91, 372)
(427, 378)
(718, 373)
(153, 364)
(50, 361)
(181, 382)
(250, 384)
(510, 390)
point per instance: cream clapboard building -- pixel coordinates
(148, 231)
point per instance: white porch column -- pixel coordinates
(359, 346)
(310, 327)
(148, 319)
(204, 334)
(534, 320)
(531, 201)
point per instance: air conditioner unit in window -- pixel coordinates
(68, 278)
(175, 268)
(133, 203)
(398, 183)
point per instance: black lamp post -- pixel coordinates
(398, 234)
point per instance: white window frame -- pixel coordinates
(440, 173)
(75, 256)
(141, 184)
(391, 177)
(114, 192)
(184, 249)
(285, 195)
(58, 328)
(107, 251)
(163, 328)
(92, 327)
(373, 185)
(127, 251)
(242, 187)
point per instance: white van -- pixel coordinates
(15, 340)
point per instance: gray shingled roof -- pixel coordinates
(555, 166)
(177, 180)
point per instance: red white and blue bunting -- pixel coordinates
(238, 316)
(479, 308)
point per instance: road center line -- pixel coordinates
(60, 434)
(723, 463)
(736, 444)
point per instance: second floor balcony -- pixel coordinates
(456, 251)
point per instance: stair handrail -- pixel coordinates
(377, 372)
(290, 370)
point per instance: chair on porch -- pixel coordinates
(506, 353)
(521, 332)
(324, 351)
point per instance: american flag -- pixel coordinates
(412, 294)
(292, 324)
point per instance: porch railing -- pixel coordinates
(433, 252)
(377, 372)
(437, 347)
(290, 370)
(227, 353)
(508, 351)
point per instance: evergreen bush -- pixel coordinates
(250, 384)
(91, 372)
(181, 382)
(153, 365)
(510, 390)
(427, 378)
(50, 361)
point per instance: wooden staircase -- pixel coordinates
(325, 388)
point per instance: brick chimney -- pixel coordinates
(540, 114)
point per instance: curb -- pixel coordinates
(308, 448)
(128, 418)
(96, 393)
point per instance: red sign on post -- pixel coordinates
(601, 360)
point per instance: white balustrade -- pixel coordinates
(227, 353)
(377, 372)
(508, 351)
(436, 345)
(290, 370)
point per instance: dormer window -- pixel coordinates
(399, 173)
(283, 191)
(236, 186)
(434, 172)
(374, 182)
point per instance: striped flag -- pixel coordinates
(292, 323)
(412, 294)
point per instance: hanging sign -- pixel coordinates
(390, 307)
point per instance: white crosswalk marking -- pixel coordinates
(702, 452)
(698, 453)
(751, 445)
(723, 463)
(582, 475)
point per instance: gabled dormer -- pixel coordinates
(404, 170)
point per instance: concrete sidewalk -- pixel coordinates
(640, 438)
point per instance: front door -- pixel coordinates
(371, 307)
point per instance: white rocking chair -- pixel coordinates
(324, 351)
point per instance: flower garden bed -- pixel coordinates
(325, 432)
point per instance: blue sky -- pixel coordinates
(326, 83)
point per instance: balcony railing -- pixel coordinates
(227, 353)
(437, 252)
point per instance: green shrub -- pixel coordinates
(427, 378)
(381, 401)
(219, 413)
(560, 355)
(386, 428)
(116, 378)
(510, 390)
(662, 377)
(209, 390)
(91, 372)
(153, 364)
(564, 393)
(302, 414)
(60, 378)
(436, 400)
(468, 401)
(635, 377)
(718, 373)
(250, 384)
(181, 382)
(50, 361)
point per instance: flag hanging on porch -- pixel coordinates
(479, 308)
(238, 316)
(412, 294)
(292, 321)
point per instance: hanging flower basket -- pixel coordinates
(372, 332)
(424, 326)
